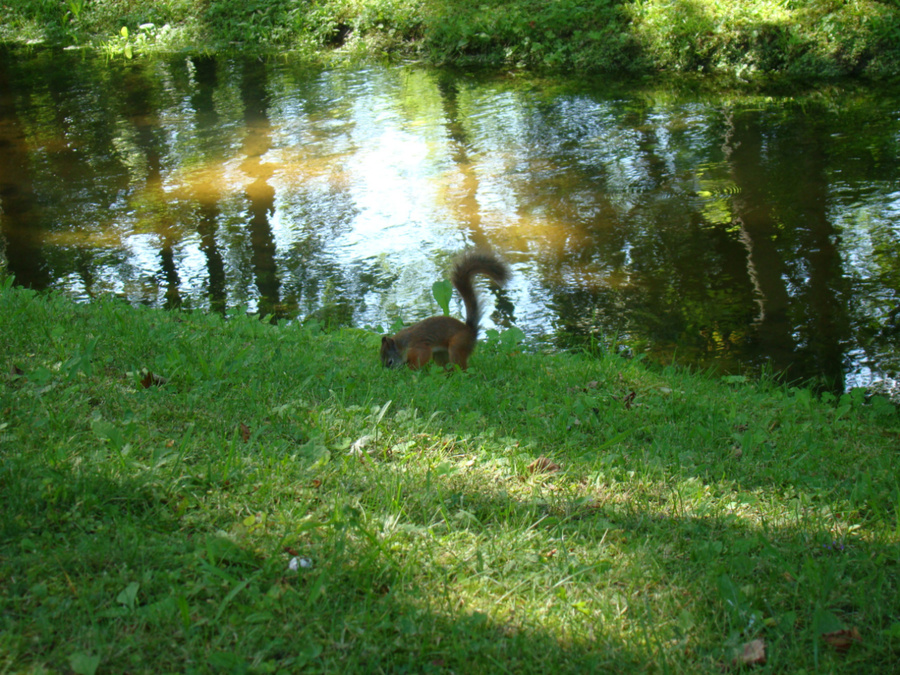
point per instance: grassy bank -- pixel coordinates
(809, 38)
(182, 493)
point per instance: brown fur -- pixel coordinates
(447, 340)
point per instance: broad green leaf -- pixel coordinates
(84, 664)
(443, 291)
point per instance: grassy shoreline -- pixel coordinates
(799, 38)
(183, 493)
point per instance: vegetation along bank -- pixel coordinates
(802, 38)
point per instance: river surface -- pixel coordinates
(728, 230)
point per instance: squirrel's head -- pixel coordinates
(390, 355)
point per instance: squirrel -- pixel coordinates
(447, 340)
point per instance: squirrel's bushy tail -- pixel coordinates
(466, 267)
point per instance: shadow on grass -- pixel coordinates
(663, 589)
(94, 565)
(137, 573)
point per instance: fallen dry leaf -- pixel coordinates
(628, 400)
(245, 432)
(753, 654)
(593, 384)
(842, 640)
(151, 380)
(543, 465)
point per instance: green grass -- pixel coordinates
(799, 38)
(159, 472)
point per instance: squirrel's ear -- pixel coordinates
(385, 340)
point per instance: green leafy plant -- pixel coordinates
(443, 293)
(129, 44)
(76, 7)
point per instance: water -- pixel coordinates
(720, 229)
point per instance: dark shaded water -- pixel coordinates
(739, 231)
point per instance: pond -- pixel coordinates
(726, 230)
